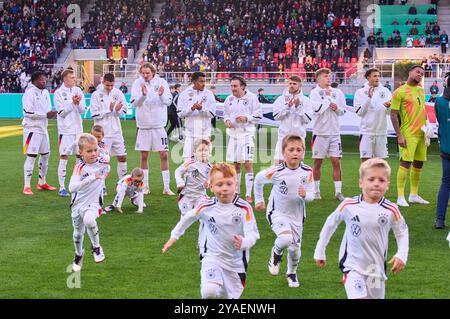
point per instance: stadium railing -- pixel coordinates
(131, 71)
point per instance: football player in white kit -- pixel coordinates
(107, 106)
(37, 109)
(151, 96)
(71, 105)
(368, 219)
(293, 111)
(86, 186)
(372, 104)
(197, 105)
(230, 232)
(329, 104)
(293, 187)
(242, 111)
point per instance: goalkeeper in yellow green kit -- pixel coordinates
(408, 116)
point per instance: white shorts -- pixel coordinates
(189, 142)
(35, 143)
(326, 146)
(68, 144)
(373, 146)
(188, 203)
(151, 139)
(359, 286)
(80, 213)
(115, 145)
(240, 149)
(282, 224)
(228, 284)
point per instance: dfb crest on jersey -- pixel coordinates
(322, 93)
(64, 94)
(245, 102)
(191, 94)
(195, 173)
(366, 93)
(287, 98)
(204, 98)
(236, 219)
(101, 95)
(231, 99)
(210, 274)
(382, 219)
(283, 188)
(115, 97)
(356, 230)
(303, 180)
(156, 88)
(382, 94)
(333, 95)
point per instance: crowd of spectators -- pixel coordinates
(112, 23)
(254, 36)
(32, 34)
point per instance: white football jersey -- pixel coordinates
(292, 120)
(101, 113)
(284, 198)
(372, 111)
(35, 106)
(221, 223)
(326, 121)
(193, 175)
(69, 114)
(248, 106)
(197, 122)
(365, 242)
(85, 188)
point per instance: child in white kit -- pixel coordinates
(368, 219)
(131, 186)
(230, 232)
(293, 187)
(86, 186)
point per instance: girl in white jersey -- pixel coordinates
(230, 232)
(368, 218)
(292, 187)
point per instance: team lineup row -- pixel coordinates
(150, 96)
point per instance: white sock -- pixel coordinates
(121, 169)
(294, 254)
(338, 187)
(166, 179)
(238, 185)
(62, 172)
(28, 168)
(43, 165)
(145, 177)
(93, 235)
(317, 186)
(248, 184)
(78, 237)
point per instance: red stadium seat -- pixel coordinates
(341, 60)
(253, 76)
(260, 76)
(354, 60)
(293, 65)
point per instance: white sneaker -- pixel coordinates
(99, 256)
(317, 196)
(146, 190)
(77, 263)
(168, 192)
(401, 201)
(292, 280)
(274, 263)
(140, 211)
(417, 199)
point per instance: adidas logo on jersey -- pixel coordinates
(355, 219)
(212, 220)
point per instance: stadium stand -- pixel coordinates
(32, 34)
(236, 36)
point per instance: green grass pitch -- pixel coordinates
(36, 237)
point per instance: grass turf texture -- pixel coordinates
(36, 237)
